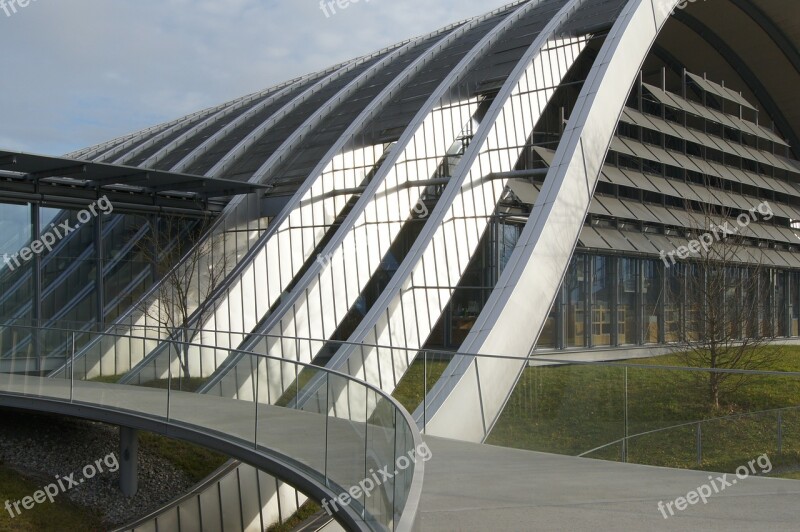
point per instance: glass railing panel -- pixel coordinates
(346, 463)
(564, 409)
(402, 481)
(422, 374)
(676, 449)
(669, 416)
(351, 437)
(690, 425)
(377, 486)
(308, 418)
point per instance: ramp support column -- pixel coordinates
(129, 461)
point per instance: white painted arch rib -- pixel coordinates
(241, 147)
(469, 397)
(408, 309)
(411, 138)
(245, 143)
(104, 152)
(117, 145)
(259, 275)
(236, 310)
(175, 144)
(122, 355)
(77, 154)
(233, 106)
(125, 151)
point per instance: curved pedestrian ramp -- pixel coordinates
(323, 450)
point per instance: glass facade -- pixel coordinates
(16, 286)
(82, 278)
(602, 300)
(639, 301)
(627, 282)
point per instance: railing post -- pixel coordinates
(366, 447)
(424, 391)
(169, 378)
(780, 432)
(129, 461)
(699, 443)
(255, 398)
(625, 439)
(327, 421)
(72, 370)
(396, 483)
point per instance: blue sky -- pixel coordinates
(79, 72)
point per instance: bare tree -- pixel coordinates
(725, 296)
(189, 265)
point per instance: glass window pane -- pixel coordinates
(602, 286)
(626, 301)
(575, 302)
(651, 300)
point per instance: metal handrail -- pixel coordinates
(690, 424)
(408, 514)
(529, 358)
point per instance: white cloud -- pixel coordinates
(84, 71)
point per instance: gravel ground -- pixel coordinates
(41, 447)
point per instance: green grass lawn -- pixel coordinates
(46, 517)
(293, 386)
(108, 379)
(410, 391)
(573, 409)
(303, 513)
(188, 384)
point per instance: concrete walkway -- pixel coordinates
(275, 428)
(481, 487)
(467, 486)
(306, 442)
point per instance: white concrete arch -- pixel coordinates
(407, 310)
(104, 151)
(253, 275)
(472, 392)
(199, 126)
(154, 159)
(374, 206)
(416, 126)
(279, 258)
